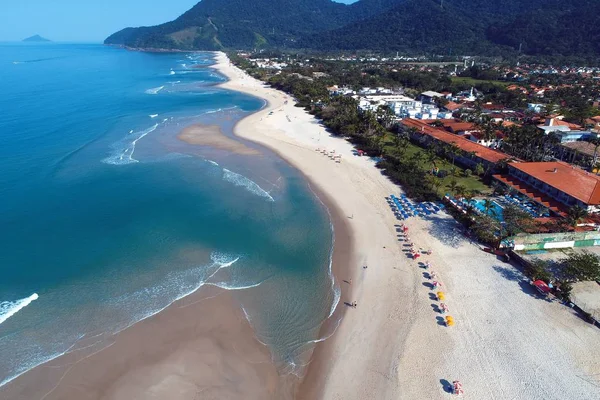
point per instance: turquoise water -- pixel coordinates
(107, 218)
(496, 211)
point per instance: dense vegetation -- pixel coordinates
(444, 27)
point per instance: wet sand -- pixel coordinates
(212, 136)
(201, 347)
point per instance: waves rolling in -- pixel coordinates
(123, 150)
(249, 185)
(154, 90)
(10, 308)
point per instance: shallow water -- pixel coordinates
(107, 218)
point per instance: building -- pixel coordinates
(566, 131)
(430, 97)
(471, 153)
(580, 153)
(555, 185)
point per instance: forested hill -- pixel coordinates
(214, 24)
(540, 27)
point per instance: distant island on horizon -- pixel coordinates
(36, 38)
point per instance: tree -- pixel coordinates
(576, 214)
(484, 228)
(515, 221)
(479, 170)
(538, 269)
(452, 186)
(581, 266)
(488, 206)
(452, 151)
(461, 190)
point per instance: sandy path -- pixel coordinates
(507, 343)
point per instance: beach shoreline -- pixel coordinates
(394, 344)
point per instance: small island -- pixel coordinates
(36, 38)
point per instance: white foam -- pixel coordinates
(153, 115)
(249, 185)
(172, 72)
(213, 163)
(30, 365)
(220, 260)
(124, 149)
(10, 308)
(229, 286)
(154, 90)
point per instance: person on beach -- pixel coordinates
(354, 304)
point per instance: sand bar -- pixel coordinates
(212, 136)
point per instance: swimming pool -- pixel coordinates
(495, 211)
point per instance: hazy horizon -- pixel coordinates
(77, 21)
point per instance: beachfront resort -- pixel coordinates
(490, 212)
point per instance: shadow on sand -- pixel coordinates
(514, 275)
(446, 231)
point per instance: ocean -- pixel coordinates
(107, 218)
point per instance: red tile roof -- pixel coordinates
(492, 156)
(533, 194)
(459, 126)
(452, 106)
(569, 179)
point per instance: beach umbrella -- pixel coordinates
(441, 295)
(444, 307)
(449, 321)
(437, 284)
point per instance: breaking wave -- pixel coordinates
(154, 90)
(123, 150)
(10, 308)
(249, 185)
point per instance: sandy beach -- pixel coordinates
(507, 343)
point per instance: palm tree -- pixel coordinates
(576, 214)
(488, 206)
(452, 151)
(594, 160)
(452, 186)
(461, 191)
(479, 170)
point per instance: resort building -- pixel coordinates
(470, 153)
(581, 153)
(555, 185)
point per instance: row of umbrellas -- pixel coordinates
(406, 208)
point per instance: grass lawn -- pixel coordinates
(474, 82)
(472, 182)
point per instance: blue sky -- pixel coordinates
(84, 20)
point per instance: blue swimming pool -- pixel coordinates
(495, 210)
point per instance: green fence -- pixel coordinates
(555, 240)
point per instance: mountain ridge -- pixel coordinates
(444, 27)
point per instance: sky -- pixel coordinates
(85, 20)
